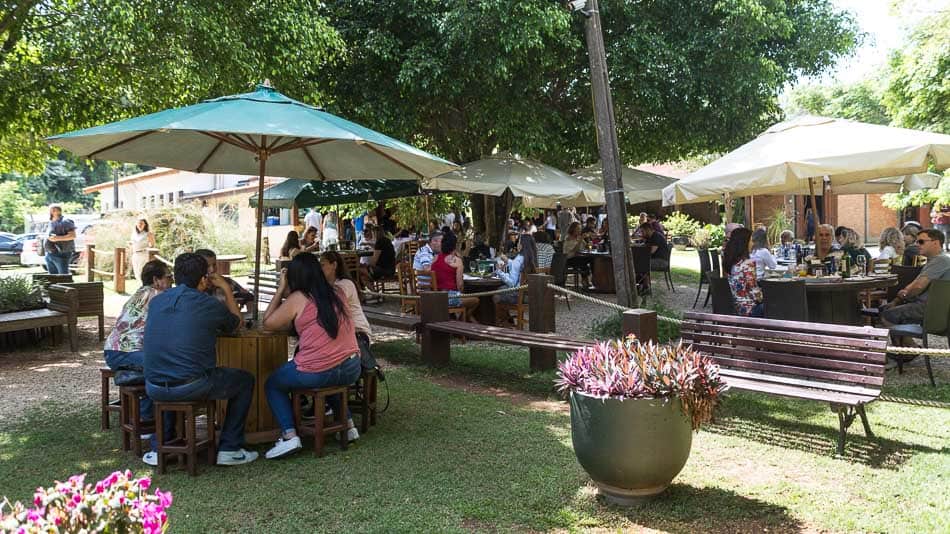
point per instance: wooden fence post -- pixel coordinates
(541, 319)
(641, 323)
(90, 262)
(118, 270)
(436, 346)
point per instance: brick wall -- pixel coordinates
(852, 213)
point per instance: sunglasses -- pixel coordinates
(923, 241)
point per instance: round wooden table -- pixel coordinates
(485, 313)
(601, 271)
(259, 353)
(224, 262)
(837, 301)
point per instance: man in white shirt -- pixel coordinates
(564, 219)
(313, 220)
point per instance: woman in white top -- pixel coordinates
(330, 233)
(334, 271)
(891, 244)
(760, 253)
(142, 239)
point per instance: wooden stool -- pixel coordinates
(130, 418)
(320, 428)
(189, 446)
(106, 404)
(363, 399)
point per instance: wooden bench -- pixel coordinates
(841, 365)
(61, 310)
(398, 321)
(91, 301)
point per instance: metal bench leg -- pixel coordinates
(864, 421)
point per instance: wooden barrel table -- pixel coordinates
(485, 313)
(259, 353)
(837, 301)
(601, 271)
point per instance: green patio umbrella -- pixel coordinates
(255, 134)
(316, 193)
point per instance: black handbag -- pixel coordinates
(367, 360)
(129, 375)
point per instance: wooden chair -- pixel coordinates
(351, 264)
(130, 419)
(722, 302)
(107, 406)
(430, 283)
(362, 399)
(406, 287)
(412, 248)
(785, 299)
(187, 445)
(320, 427)
(91, 299)
(503, 309)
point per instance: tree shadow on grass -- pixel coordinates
(689, 509)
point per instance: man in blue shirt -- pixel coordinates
(180, 356)
(60, 245)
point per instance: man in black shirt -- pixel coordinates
(659, 249)
(383, 263)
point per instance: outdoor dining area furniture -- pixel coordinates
(224, 262)
(485, 313)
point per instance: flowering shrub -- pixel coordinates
(118, 503)
(629, 369)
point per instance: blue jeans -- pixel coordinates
(57, 262)
(758, 310)
(221, 383)
(287, 377)
(117, 359)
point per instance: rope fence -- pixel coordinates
(400, 296)
(614, 306)
(163, 260)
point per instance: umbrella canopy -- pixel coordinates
(253, 134)
(783, 159)
(525, 178)
(316, 193)
(638, 186)
(893, 184)
(226, 135)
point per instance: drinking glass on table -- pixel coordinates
(862, 265)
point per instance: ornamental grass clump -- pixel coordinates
(630, 369)
(118, 503)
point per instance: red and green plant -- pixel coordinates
(631, 369)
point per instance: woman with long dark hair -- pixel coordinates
(140, 241)
(525, 263)
(740, 270)
(291, 245)
(327, 351)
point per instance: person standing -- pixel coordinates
(330, 233)
(142, 239)
(550, 225)
(940, 217)
(313, 220)
(809, 225)
(180, 355)
(60, 245)
(564, 220)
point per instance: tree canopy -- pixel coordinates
(862, 101)
(462, 78)
(66, 64)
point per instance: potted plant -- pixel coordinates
(634, 407)
(19, 293)
(681, 228)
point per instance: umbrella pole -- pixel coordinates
(814, 209)
(262, 160)
(425, 226)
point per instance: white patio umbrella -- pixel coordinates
(638, 185)
(893, 184)
(525, 178)
(788, 156)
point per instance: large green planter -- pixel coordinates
(632, 448)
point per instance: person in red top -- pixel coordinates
(448, 269)
(327, 351)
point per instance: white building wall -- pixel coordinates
(166, 189)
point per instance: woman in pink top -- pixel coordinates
(327, 352)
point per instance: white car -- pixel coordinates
(31, 250)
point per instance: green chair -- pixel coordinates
(936, 321)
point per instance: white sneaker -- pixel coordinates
(284, 447)
(237, 457)
(151, 458)
(352, 434)
(146, 436)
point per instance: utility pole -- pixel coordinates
(607, 145)
(115, 188)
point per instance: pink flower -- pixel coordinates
(144, 483)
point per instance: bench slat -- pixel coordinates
(800, 382)
(768, 367)
(810, 354)
(764, 333)
(392, 320)
(836, 330)
(797, 392)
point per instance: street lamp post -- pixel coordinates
(609, 154)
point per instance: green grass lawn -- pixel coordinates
(445, 459)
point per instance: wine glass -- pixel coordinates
(862, 265)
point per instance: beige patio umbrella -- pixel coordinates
(893, 184)
(794, 156)
(638, 186)
(524, 178)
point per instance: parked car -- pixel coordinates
(10, 250)
(30, 250)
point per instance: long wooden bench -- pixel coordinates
(841, 365)
(61, 310)
(398, 321)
